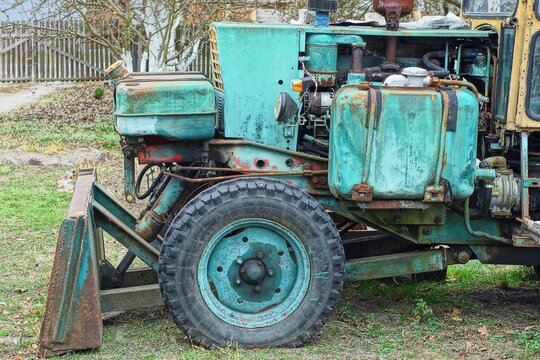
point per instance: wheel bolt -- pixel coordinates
(257, 289)
(259, 255)
(463, 257)
(270, 272)
(239, 261)
(237, 281)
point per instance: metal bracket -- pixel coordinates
(434, 193)
(362, 193)
(288, 129)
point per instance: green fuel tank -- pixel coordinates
(390, 140)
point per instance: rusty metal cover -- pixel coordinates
(72, 319)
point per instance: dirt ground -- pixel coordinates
(478, 312)
(16, 96)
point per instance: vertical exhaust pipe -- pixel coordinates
(392, 10)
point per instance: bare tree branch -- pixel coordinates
(161, 34)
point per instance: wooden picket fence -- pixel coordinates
(28, 52)
(203, 61)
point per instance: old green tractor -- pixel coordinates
(314, 155)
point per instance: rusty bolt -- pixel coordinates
(239, 261)
(315, 180)
(270, 272)
(463, 257)
(323, 180)
(257, 289)
(438, 220)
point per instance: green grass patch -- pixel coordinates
(31, 211)
(529, 339)
(55, 138)
(474, 274)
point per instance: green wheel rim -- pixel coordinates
(253, 273)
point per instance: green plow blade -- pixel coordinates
(84, 287)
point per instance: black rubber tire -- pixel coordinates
(219, 206)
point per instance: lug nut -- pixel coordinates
(239, 261)
(257, 289)
(270, 272)
(259, 255)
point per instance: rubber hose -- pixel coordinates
(476, 213)
(139, 181)
(481, 233)
(437, 70)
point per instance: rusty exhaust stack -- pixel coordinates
(392, 10)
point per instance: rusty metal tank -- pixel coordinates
(378, 138)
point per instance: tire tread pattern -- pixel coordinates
(234, 189)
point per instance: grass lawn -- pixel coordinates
(479, 312)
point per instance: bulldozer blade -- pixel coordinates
(72, 319)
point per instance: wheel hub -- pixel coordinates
(253, 271)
